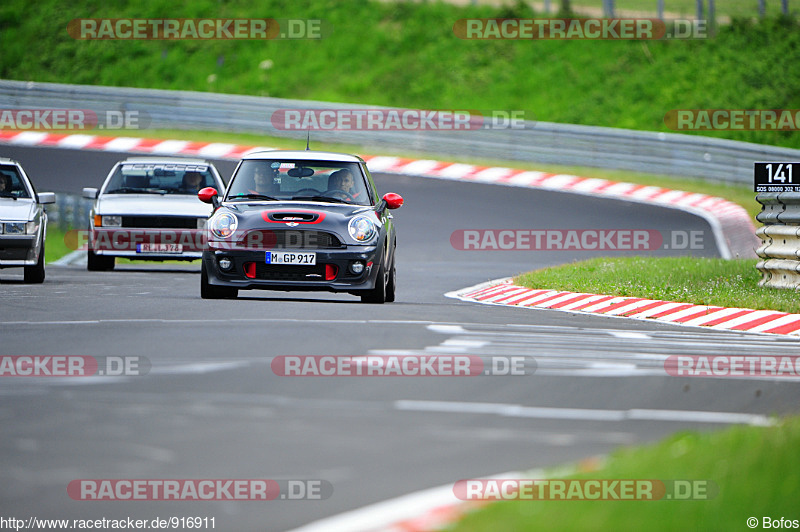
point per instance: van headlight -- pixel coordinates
(111, 221)
(361, 228)
(15, 228)
(223, 225)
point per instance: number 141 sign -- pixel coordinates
(776, 177)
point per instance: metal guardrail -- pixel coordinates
(70, 211)
(781, 240)
(541, 142)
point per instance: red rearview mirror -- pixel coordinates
(393, 201)
(206, 194)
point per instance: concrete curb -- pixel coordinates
(505, 292)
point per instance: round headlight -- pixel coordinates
(361, 228)
(223, 225)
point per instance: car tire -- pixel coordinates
(377, 294)
(392, 283)
(99, 263)
(209, 291)
(35, 274)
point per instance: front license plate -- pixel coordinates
(159, 248)
(294, 258)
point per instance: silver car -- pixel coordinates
(148, 209)
(23, 222)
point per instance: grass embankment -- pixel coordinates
(716, 282)
(55, 246)
(756, 470)
(406, 54)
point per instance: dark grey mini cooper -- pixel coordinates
(300, 220)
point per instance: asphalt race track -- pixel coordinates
(211, 407)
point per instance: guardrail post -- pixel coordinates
(780, 251)
(70, 211)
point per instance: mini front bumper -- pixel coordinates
(19, 250)
(332, 272)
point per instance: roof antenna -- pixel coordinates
(308, 137)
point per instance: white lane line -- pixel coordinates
(630, 334)
(229, 320)
(586, 414)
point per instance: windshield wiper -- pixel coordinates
(253, 196)
(8, 195)
(327, 199)
(129, 190)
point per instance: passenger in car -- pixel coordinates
(192, 181)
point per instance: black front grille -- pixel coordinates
(273, 272)
(160, 222)
(291, 239)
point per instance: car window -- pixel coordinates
(285, 179)
(11, 183)
(160, 178)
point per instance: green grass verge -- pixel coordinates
(55, 247)
(756, 470)
(725, 283)
(406, 54)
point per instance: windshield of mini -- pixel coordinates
(283, 179)
(11, 183)
(160, 178)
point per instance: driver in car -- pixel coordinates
(264, 181)
(5, 184)
(192, 181)
(343, 180)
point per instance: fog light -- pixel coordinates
(225, 263)
(357, 267)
